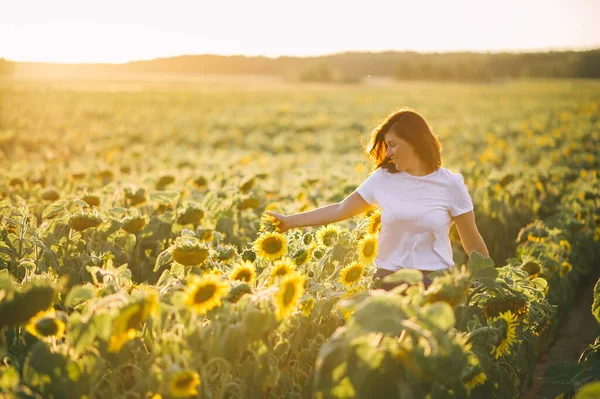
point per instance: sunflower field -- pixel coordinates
(137, 261)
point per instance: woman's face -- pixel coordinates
(400, 152)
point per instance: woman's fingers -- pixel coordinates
(277, 218)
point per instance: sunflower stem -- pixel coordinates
(475, 291)
(480, 331)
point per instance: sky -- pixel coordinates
(83, 31)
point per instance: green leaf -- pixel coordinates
(6, 280)
(82, 332)
(589, 391)
(225, 226)
(488, 282)
(178, 299)
(167, 197)
(540, 282)
(177, 269)
(561, 373)
(440, 314)
(478, 261)
(163, 260)
(487, 272)
(410, 276)
(55, 209)
(43, 360)
(103, 325)
(380, 314)
(9, 378)
(596, 304)
(369, 355)
(80, 294)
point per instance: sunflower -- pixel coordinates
(302, 256)
(189, 251)
(205, 293)
(205, 235)
(374, 222)
(367, 249)
(327, 236)
(355, 289)
(565, 268)
(477, 379)
(124, 327)
(507, 322)
(244, 271)
(45, 324)
(183, 384)
(566, 245)
(308, 305)
(291, 289)
(130, 318)
(517, 304)
(281, 268)
(351, 274)
(268, 224)
(270, 246)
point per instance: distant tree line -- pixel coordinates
(6, 67)
(351, 66)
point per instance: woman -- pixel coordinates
(418, 198)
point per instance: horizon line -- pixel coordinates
(488, 51)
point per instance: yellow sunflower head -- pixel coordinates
(130, 318)
(327, 236)
(124, 326)
(351, 274)
(302, 256)
(281, 268)
(189, 251)
(565, 268)
(205, 235)
(507, 325)
(268, 223)
(270, 246)
(374, 223)
(291, 289)
(477, 379)
(308, 305)
(184, 384)
(244, 271)
(205, 293)
(45, 325)
(367, 249)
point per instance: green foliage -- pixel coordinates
(137, 228)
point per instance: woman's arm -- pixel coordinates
(352, 205)
(469, 234)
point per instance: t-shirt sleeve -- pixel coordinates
(368, 187)
(461, 200)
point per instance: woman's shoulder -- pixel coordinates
(453, 177)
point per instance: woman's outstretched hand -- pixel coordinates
(283, 222)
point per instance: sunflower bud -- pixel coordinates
(135, 196)
(81, 221)
(189, 251)
(18, 307)
(133, 224)
(91, 199)
(191, 214)
(50, 194)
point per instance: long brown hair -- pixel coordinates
(410, 126)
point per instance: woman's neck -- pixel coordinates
(421, 169)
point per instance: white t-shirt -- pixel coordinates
(416, 216)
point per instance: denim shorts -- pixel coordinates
(381, 273)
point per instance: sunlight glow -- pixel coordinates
(119, 31)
